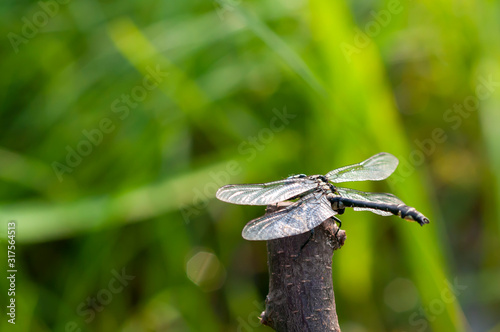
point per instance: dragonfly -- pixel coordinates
(315, 198)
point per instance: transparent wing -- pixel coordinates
(370, 197)
(375, 168)
(297, 218)
(265, 193)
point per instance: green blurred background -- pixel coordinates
(119, 121)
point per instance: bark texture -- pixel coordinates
(301, 294)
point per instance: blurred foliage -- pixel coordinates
(120, 120)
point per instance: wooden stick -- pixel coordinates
(301, 294)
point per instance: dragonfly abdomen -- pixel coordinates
(404, 211)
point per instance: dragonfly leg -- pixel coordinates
(340, 225)
(311, 234)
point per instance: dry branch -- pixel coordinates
(301, 294)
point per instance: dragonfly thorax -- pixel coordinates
(326, 185)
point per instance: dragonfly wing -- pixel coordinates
(295, 219)
(375, 168)
(265, 193)
(370, 197)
